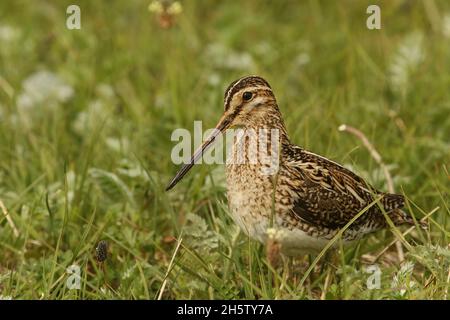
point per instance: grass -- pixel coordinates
(85, 123)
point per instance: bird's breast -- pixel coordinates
(256, 207)
(249, 199)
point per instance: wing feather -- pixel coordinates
(330, 195)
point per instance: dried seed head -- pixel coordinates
(101, 251)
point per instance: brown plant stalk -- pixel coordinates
(377, 157)
(8, 218)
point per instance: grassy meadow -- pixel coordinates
(86, 118)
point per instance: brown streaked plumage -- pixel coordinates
(310, 198)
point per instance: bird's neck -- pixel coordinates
(269, 123)
(262, 142)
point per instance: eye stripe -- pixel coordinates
(237, 110)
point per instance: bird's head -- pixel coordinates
(248, 102)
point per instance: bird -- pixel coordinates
(308, 198)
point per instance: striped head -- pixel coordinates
(248, 99)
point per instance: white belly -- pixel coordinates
(297, 242)
(253, 215)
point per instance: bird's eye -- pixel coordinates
(247, 96)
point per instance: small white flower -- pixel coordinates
(8, 33)
(43, 86)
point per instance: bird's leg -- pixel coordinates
(329, 266)
(331, 259)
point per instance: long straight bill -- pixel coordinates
(221, 126)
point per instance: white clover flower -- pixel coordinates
(43, 86)
(8, 33)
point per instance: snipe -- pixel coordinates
(309, 198)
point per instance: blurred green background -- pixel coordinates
(86, 118)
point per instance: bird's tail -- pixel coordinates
(400, 217)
